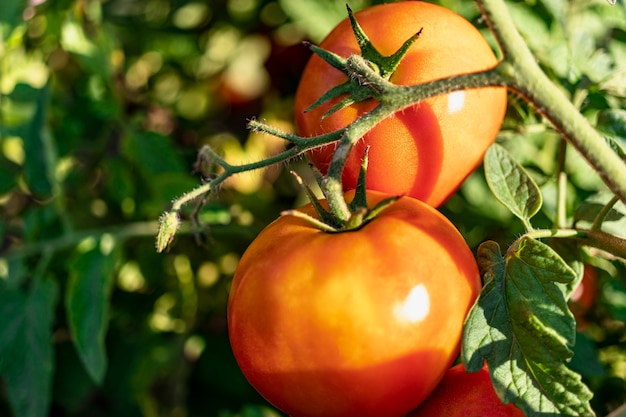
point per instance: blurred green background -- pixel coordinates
(103, 107)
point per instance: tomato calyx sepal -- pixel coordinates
(327, 220)
(352, 88)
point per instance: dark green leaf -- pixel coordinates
(572, 255)
(10, 15)
(510, 183)
(557, 8)
(613, 123)
(26, 351)
(522, 326)
(37, 149)
(617, 148)
(119, 179)
(586, 361)
(17, 273)
(24, 93)
(588, 211)
(614, 291)
(8, 175)
(87, 304)
(153, 153)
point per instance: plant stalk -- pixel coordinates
(526, 78)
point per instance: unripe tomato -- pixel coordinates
(463, 394)
(360, 323)
(425, 151)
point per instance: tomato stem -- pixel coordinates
(524, 76)
(518, 71)
(597, 223)
(607, 242)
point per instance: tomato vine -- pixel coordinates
(519, 72)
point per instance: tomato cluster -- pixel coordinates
(366, 322)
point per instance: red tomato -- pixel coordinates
(427, 150)
(584, 296)
(463, 394)
(360, 323)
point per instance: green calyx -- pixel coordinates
(355, 87)
(360, 213)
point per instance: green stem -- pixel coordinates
(561, 186)
(595, 238)
(230, 170)
(333, 190)
(393, 99)
(397, 97)
(118, 233)
(518, 71)
(607, 242)
(527, 79)
(71, 239)
(597, 223)
(302, 143)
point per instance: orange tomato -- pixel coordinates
(427, 150)
(359, 323)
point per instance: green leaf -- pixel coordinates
(616, 84)
(17, 273)
(10, 15)
(613, 123)
(586, 361)
(87, 304)
(588, 211)
(37, 149)
(317, 17)
(26, 350)
(154, 154)
(617, 148)
(522, 326)
(558, 9)
(119, 184)
(511, 185)
(8, 175)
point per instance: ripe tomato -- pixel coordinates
(360, 323)
(427, 150)
(463, 394)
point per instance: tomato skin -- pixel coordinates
(584, 296)
(361, 323)
(586, 293)
(425, 151)
(464, 394)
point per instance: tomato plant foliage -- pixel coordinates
(522, 326)
(103, 107)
